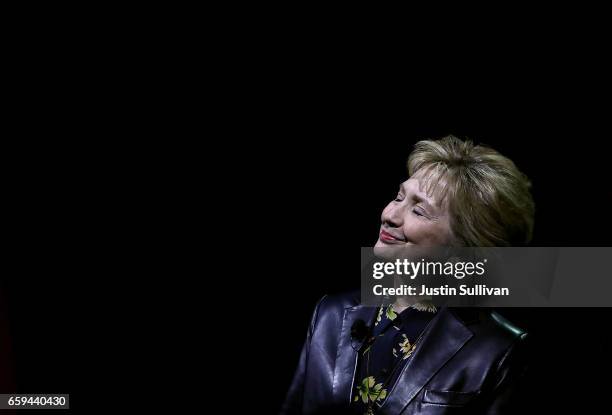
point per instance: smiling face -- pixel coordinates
(413, 218)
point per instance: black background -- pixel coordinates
(40, 323)
(311, 195)
(40, 283)
(314, 154)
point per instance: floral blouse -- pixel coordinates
(393, 341)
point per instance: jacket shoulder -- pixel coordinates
(507, 326)
(339, 301)
(491, 325)
(332, 307)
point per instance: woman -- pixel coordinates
(410, 358)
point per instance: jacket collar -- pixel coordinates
(441, 341)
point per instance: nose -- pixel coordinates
(392, 215)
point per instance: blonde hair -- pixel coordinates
(488, 198)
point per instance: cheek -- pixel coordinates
(414, 230)
(419, 231)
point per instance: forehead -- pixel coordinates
(427, 186)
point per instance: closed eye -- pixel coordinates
(419, 212)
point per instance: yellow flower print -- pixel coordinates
(406, 347)
(370, 391)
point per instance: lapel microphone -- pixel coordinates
(359, 330)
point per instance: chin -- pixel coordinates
(385, 251)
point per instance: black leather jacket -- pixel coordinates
(467, 362)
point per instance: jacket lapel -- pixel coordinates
(346, 358)
(445, 336)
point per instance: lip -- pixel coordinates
(386, 237)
